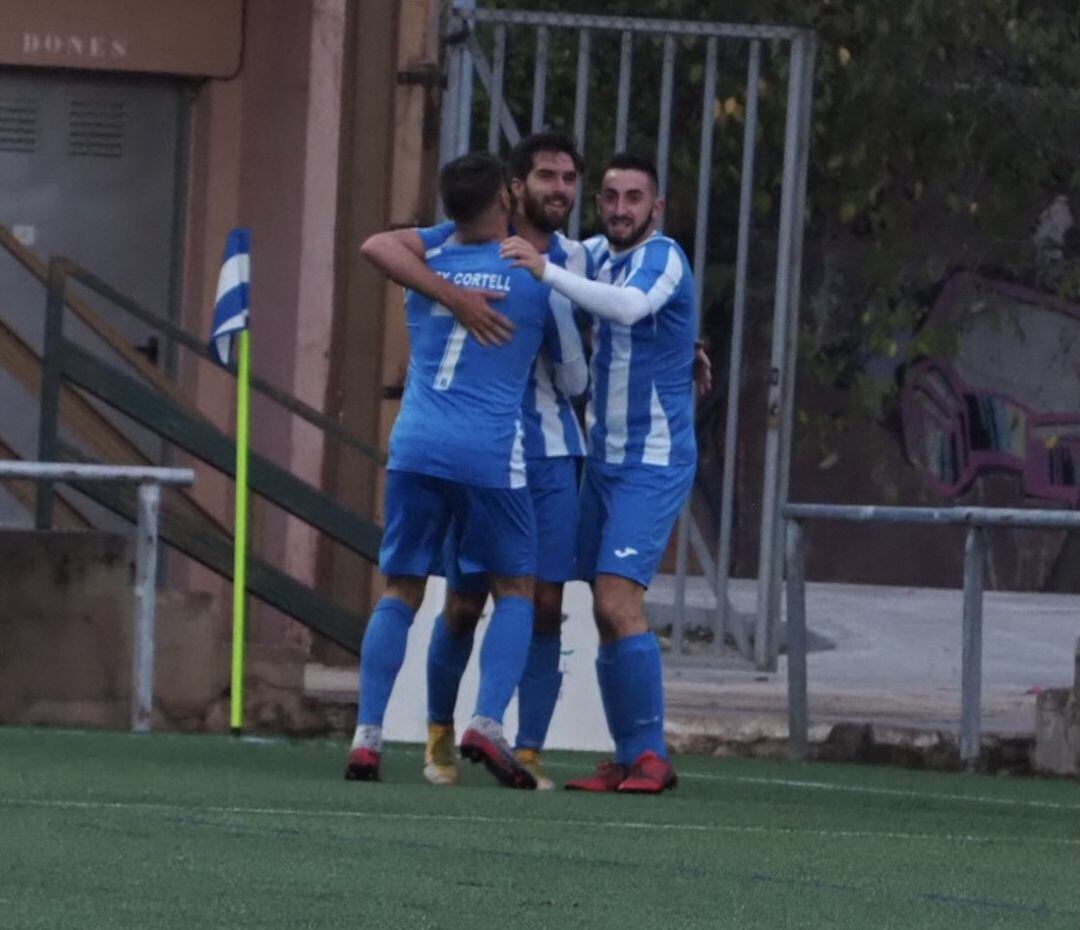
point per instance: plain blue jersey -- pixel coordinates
(551, 426)
(460, 415)
(641, 407)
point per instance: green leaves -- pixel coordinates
(940, 132)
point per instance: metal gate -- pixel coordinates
(484, 46)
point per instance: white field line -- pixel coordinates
(853, 789)
(416, 750)
(816, 786)
(515, 821)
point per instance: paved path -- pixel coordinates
(894, 661)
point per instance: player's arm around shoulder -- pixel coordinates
(399, 254)
(403, 254)
(608, 301)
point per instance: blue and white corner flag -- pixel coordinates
(232, 304)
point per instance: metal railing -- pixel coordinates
(149, 481)
(171, 417)
(977, 520)
(60, 270)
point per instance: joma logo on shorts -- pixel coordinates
(623, 553)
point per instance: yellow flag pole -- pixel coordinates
(240, 543)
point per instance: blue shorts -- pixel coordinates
(553, 487)
(498, 528)
(627, 514)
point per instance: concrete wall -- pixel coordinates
(66, 606)
(1057, 729)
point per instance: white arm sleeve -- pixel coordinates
(571, 371)
(624, 305)
(572, 376)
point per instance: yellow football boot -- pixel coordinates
(440, 756)
(530, 758)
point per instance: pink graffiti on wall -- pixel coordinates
(956, 426)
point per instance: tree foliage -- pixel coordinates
(940, 133)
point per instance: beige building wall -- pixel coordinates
(265, 155)
(300, 129)
(316, 144)
(388, 168)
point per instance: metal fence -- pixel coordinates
(149, 481)
(684, 44)
(977, 520)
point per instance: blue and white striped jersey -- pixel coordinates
(641, 407)
(460, 415)
(551, 426)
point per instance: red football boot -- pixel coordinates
(609, 775)
(498, 757)
(363, 765)
(649, 775)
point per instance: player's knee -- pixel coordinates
(609, 618)
(408, 589)
(617, 615)
(463, 611)
(513, 586)
(548, 601)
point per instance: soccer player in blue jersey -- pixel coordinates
(544, 170)
(642, 451)
(457, 456)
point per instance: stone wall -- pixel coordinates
(66, 607)
(65, 619)
(1057, 729)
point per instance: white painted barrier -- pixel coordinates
(578, 722)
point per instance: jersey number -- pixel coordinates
(451, 354)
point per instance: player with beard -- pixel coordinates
(544, 171)
(642, 451)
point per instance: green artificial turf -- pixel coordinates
(114, 830)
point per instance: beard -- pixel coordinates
(625, 240)
(539, 213)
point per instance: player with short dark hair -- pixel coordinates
(544, 169)
(521, 161)
(457, 456)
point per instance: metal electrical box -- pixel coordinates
(91, 168)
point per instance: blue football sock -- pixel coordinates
(616, 719)
(538, 691)
(503, 655)
(637, 683)
(381, 656)
(447, 657)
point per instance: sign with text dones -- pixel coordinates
(191, 37)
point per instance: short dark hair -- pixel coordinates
(520, 161)
(470, 184)
(628, 160)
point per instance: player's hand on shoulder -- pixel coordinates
(524, 255)
(471, 308)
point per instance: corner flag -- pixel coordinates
(231, 312)
(232, 304)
